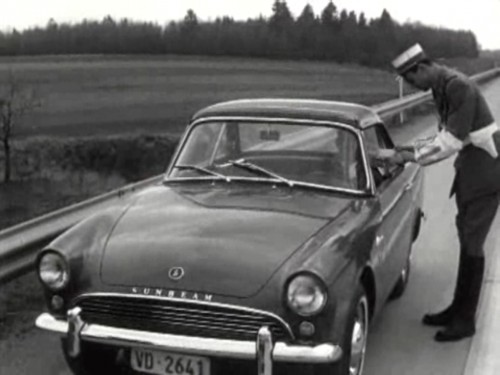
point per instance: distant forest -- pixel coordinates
(341, 36)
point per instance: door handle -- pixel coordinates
(408, 186)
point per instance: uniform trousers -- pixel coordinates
(474, 220)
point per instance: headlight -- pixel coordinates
(53, 271)
(306, 294)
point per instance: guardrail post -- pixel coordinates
(401, 95)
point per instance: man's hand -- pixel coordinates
(392, 156)
(408, 148)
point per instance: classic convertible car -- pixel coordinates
(274, 238)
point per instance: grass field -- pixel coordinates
(89, 95)
(98, 96)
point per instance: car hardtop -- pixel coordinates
(356, 115)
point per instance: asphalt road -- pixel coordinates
(398, 343)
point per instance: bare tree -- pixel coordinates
(16, 99)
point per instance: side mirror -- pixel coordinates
(270, 135)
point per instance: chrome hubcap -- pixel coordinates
(359, 338)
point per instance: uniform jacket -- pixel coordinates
(463, 109)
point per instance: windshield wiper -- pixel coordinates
(203, 170)
(242, 163)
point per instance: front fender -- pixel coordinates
(82, 246)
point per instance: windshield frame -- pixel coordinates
(368, 189)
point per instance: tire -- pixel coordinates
(354, 339)
(402, 283)
(94, 359)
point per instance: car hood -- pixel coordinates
(227, 242)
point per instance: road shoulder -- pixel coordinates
(483, 356)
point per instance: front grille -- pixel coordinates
(179, 317)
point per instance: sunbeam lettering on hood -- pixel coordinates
(169, 293)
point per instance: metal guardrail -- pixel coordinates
(20, 243)
(393, 107)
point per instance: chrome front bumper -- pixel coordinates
(263, 349)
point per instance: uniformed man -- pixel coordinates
(468, 128)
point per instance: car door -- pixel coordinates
(393, 190)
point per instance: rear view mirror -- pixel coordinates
(269, 135)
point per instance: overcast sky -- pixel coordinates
(480, 16)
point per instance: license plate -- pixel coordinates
(165, 363)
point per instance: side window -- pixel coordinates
(371, 140)
(384, 140)
(376, 138)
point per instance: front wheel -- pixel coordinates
(359, 336)
(354, 339)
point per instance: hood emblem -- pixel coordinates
(176, 273)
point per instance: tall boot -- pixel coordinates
(445, 316)
(463, 324)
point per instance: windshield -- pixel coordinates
(290, 153)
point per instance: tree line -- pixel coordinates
(341, 36)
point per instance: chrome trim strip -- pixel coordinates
(281, 352)
(404, 191)
(194, 302)
(272, 119)
(370, 186)
(366, 164)
(393, 204)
